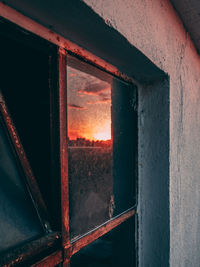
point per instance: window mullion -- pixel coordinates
(63, 149)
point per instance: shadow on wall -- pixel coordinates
(154, 224)
(80, 24)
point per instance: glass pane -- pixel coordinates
(18, 218)
(97, 185)
(115, 249)
(124, 126)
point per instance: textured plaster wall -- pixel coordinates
(153, 27)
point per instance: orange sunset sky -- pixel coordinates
(89, 106)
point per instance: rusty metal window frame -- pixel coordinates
(70, 247)
(48, 246)
(48, 239)
(61, 253)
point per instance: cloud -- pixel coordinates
(95, 89)
(104, 100)
(73, 106)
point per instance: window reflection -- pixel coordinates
(102, 145)
(89, 148)
(89, 109)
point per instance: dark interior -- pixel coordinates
(115, 249)
(18, 216)
(124, 128)
(25, 84)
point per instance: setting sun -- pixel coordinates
(104, 135)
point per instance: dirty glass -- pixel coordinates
(114, 249)
(95, 150)
(124, 127)
(18, 218)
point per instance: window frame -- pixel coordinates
(61, 253)
(72, 246)
(50, 240)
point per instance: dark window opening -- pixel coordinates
(114, 249)
(19, 221)
(124, 127)
(25, 84)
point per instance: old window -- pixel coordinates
(26, 210)
(72, 170)
(102, 139)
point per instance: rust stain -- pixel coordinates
(111, 206)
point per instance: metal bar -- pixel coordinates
(29, 177)
(50, 261)
(66, 263)
(83, 241)
(63, 146)
(34, 27)
(29, 250)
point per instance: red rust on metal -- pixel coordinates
(50, 261)
(34, 27)
(30, 180)
(67, 254)
(98, 232)
(63, 146)
(29, 250)
(66, 263)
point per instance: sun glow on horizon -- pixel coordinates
(103, 135)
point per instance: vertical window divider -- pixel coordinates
(63, 152)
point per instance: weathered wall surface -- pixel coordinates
(153, 27)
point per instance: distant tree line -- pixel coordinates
(80, 141)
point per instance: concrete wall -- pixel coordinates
(153, 27)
